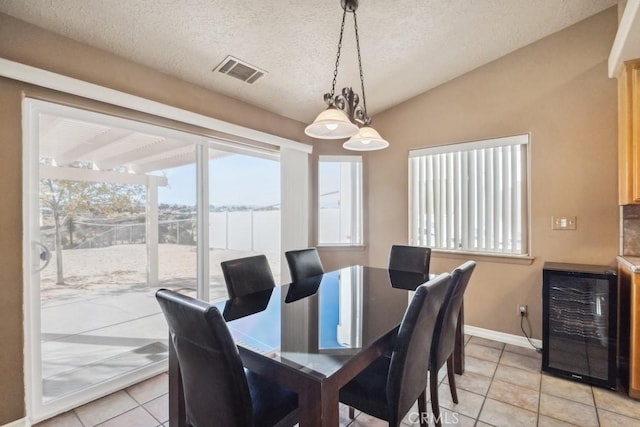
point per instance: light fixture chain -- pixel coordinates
(364, 98)
(335, 71)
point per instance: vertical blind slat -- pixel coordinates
(457, 206)
(464, 206)
(430, 202)
(481, 208)
(437, 221)
(497, 200)
(418, 193)
(522, 198)
(414, 208)
(450, 203)
(507, 209)
(441, 214)
(422, 188)
(488, 201)
(473, 207)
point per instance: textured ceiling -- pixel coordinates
(408, 46)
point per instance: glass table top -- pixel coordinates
(317, 325)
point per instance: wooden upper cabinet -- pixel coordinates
(629, 133)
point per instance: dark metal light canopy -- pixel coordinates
(344, 117)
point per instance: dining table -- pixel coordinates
(313, 336)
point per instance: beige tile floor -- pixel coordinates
(502, 386)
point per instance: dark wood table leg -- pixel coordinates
(310, 406)
(177, 413)
(330, 404)
(318, 405)
(458, 351)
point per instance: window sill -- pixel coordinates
(339, 247)
(483, 256)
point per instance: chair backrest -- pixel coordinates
(413, 259)
(407, 377)
(245, 276)
(445, 334)
(215, 386)
(304, 263)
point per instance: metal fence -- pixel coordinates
(257, 230)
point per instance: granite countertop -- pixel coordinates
(631, 262)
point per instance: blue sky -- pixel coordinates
(233, 180)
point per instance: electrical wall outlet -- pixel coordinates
(563, 222)
(522, 310)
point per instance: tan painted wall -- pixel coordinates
(11, 375)
(558, 91)
(31, 45)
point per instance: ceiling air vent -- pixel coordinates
(239, 69)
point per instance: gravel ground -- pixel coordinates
(124, 266)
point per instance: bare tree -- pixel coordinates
(67, 199)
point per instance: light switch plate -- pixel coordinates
(563, 223)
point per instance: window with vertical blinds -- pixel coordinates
(470, 196)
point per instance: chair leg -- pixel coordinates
(435, 403)
(352, 413)
(422, 408)
(452, 379)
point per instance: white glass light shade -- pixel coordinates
(331, 124)
(367, 139)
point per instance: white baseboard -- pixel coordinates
(24, 422)
(500, 336)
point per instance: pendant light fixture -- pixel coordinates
(344, 117)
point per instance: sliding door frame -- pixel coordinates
(37, 410)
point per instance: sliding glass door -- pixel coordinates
(244, 218)
(114, 210)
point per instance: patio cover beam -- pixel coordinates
(90, 175)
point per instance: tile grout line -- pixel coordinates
(78, 417)
(595, 405)
(539, 396)
(141, 405)
(486, 395)
(477, 418)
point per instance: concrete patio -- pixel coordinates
(105, 322)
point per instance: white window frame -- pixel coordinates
(470, 174)
(353, 189)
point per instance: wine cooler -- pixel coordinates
(579, 312)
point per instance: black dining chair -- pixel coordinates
(244, 276)
(304, 263)
(217, 389)
(413, 259)
(445, 336)
(388, 388)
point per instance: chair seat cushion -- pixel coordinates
(367, 391)
(271, 402)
